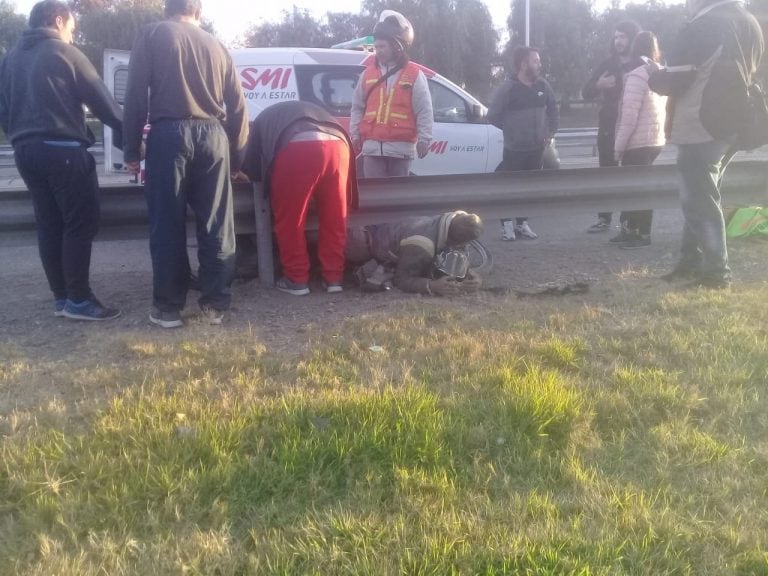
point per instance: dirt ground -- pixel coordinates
(288, 325)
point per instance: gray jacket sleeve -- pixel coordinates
(553, 113)
(358, 109)
(496, 109)
(422, 108)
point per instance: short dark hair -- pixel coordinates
(520, 55)
(44, 14)
(646, 44)
(182, 7)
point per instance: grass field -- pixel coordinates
(557, 436)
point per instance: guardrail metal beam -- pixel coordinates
(489, 195)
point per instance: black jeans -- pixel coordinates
(639, 221)
(188, 163)
(606, 140)
(63, 184)
(519, 161)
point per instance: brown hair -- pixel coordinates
(646, 44)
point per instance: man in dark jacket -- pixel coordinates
(716, 55)
(606, 83)
(525, 109)
(44, 83)
(199, 128)
(302, 154)
(409, 253)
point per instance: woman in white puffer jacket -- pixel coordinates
(639, 132)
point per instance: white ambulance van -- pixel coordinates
(462, 140)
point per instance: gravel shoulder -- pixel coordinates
(287, 325)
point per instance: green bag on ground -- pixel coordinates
(752, 221)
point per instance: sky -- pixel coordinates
(230, 22)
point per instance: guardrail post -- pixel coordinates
(264, 236)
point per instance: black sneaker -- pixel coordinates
(293, 288)
(58, 307)
(166, 319)
(89, 310)
(602, 225)
(636, 242)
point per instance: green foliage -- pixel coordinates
(562, 30)
(113, 27)
(11, 26)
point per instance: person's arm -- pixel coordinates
(422, 109)
(414, 264)
(590, 90)
(4, 113)
(92, 91)
(689, 51)
(498, 105)
(553, 112)
(136, 105)
(252, 163)
(635, 89)
(358, 109)
(236, 124)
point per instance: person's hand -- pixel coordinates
(238, 177)
(606, 81)
(357, 146)
(471, 283)
(445, 286)
(422, 148)
(133, 167)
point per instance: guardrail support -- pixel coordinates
(263, 214)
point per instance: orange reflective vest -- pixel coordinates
(389, 114)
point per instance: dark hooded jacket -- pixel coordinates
(44, 83)
(610, 98)
(714, 60)
(273, 129)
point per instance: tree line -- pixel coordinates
(456, 38)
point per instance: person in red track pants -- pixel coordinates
(302, 155)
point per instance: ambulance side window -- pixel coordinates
(447, 106)
(330, 87)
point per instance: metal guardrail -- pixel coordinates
(489, 195)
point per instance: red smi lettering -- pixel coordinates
(438, 146)
(252, 77)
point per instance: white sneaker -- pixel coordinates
(508, 230)
(524, 231)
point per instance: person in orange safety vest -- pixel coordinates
(391, 119)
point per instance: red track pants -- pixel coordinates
(302, 171)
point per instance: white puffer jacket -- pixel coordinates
(642, 113)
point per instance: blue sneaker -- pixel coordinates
(58, 307)
(289, 287)
(90, 309)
